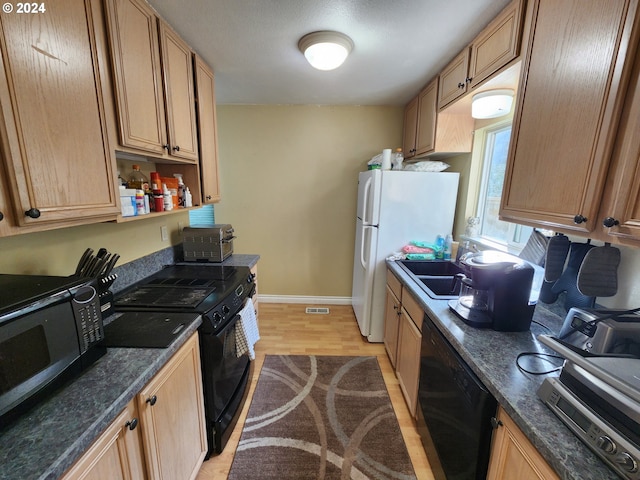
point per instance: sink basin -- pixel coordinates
(434, 277)
(435, 268)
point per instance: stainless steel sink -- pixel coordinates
(435, 277)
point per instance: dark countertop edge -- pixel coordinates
(241, 260)
(575, 461)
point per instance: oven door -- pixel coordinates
(36, 348)
(224, 373)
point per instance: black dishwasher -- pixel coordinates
(454, 411)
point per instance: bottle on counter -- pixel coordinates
(448, 241)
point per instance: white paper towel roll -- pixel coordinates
(386, 159)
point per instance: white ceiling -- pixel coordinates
(399, 45)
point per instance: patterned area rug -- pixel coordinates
(321, 417)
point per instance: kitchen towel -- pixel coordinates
(247, 333)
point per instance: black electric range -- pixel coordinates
(215, 292)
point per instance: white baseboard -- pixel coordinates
(303, 299)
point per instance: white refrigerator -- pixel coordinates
(394, 208)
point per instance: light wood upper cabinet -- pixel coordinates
(426, 121)
(497, 45)
(153, 82)
(116, 455)
(575, 70)
(454, 79)
(621, 206)
(172, 415)
(59, 166)
(177, 69)
(513, 455)
(409, 133)
(431, 131)
(206, 107)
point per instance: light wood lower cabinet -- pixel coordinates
(391, 324)
(513, 455)
(172, 415)
(169, 440)
(117, 454)
(408, 360)
(403, 338)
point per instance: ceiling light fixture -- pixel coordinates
(325, 50)
(492, 103)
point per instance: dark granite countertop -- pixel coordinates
(492, 357)
(49, 438)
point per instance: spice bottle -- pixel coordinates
(188, 198)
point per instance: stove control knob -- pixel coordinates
(217, 318)
(605, 444)
(627, 462)
(225, 310)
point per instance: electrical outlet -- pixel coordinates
(180, 227)
(164, 233)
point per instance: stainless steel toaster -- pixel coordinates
(616, 335)
(207, 244)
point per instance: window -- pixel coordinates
(496, 148)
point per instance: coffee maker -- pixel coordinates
(495, 292)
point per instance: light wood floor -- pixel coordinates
(286, 329)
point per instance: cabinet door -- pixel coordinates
(513, 455)
(391, 323)
(622, 205)
(497, 45)
(116, 455)
(60, 166)
(568, 106)
(426, 124)
(453, 79)
(172, 411)
(206, 102)
(410, 122)
(177, 71)
(408, 360)
(135, 58)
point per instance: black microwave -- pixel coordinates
(50, 330)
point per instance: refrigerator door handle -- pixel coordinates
(362, 262)
(365, 201)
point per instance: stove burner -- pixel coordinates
(181, 282)
(165, 297)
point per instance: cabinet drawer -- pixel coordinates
(413, 308)
(394, 284)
